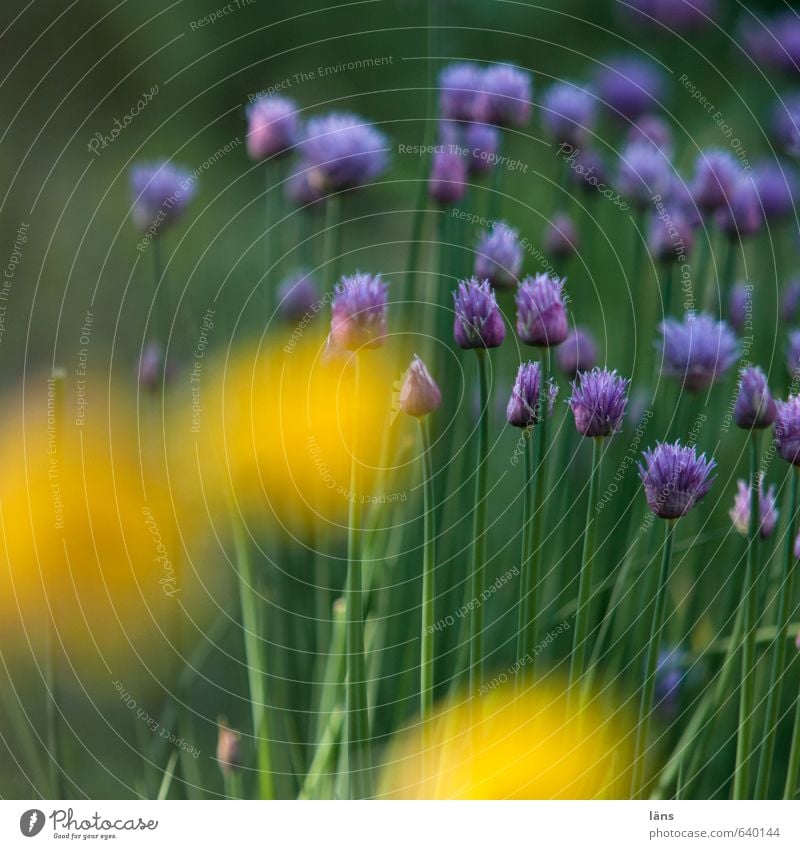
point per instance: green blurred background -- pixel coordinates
(71, 69)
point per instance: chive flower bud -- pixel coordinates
(498, 256)
(598, 402)
(754, 407)
(273, 126)
(525, 405)
(675, 478)
(767, 509)
(419, 394)
(477, 323)
(541, 311)
(359, 312)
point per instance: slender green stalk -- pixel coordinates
(693, 740)
(169, 773)
(621, 583)
(232, 781)
(254, 655)
(358, 742)
(667, 276)
(494, 205)
(439, 311)
(701, 266)
(332, 246)
(428, 569)
(52, 709)
(273, 193)
(539, 505)
(725, 279)
(785, 597)
(560, 184)
(653, 648)
(421, 204)
(325, 756)
(478, 570)
(641, 292)
(527, 588)
(577, 666)
(163, 310)
(744, 741)
(793, 770)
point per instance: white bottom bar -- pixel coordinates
(401, 825)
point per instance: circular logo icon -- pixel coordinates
(31, 822)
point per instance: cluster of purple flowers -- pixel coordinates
(335, 152)
(359, 312)
(161, 192)
(498, 256)
(676, 15)
(475, 103)
(697, 350)
(498, 94)
(772, 42)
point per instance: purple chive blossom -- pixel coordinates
(459, 87)
(773, 41)
(790, 301)
(161, 192)
(505, 96)
(478, 323)
(776, 186)
(793, 354)
(569, 113)
(754, 406)
(297, 296)
(757, 41)
(525, 405)
(577, 353)
(482, 142)
(587, 169)
(598, 402)
(715, 175)
(448, 180)
(273, 126)
(359, 312)
(786, 124)
(677, 15)
(541, 311)
(740, 306)
(675, 479)
(671, 237)
(561, 237)
(741, 216)
(679, 201)
(630, 86)
(767, 509)
(787, 429)
(343, 151)
(652, 129)
(498, 256)
(419, 394)
(697, 350)
(643, 173)
(298, 187)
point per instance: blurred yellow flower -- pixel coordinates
(507, 746)
(87, 520)
(276, 432)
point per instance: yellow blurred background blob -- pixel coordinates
(88, 530)
(508, 746)
(278, 433)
